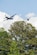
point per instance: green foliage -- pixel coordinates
(21, 40)
(4, 43)
(24, 34)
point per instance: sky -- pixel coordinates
(25, 8)
(21, 7)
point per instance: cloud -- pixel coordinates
(6, 23)
(32, 19)
(30, 15)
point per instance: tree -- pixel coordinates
(5, 40)
(23, 34)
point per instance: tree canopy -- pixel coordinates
(25, 36)
(21, 39)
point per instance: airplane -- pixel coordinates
(27, 19)
(10, 17)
